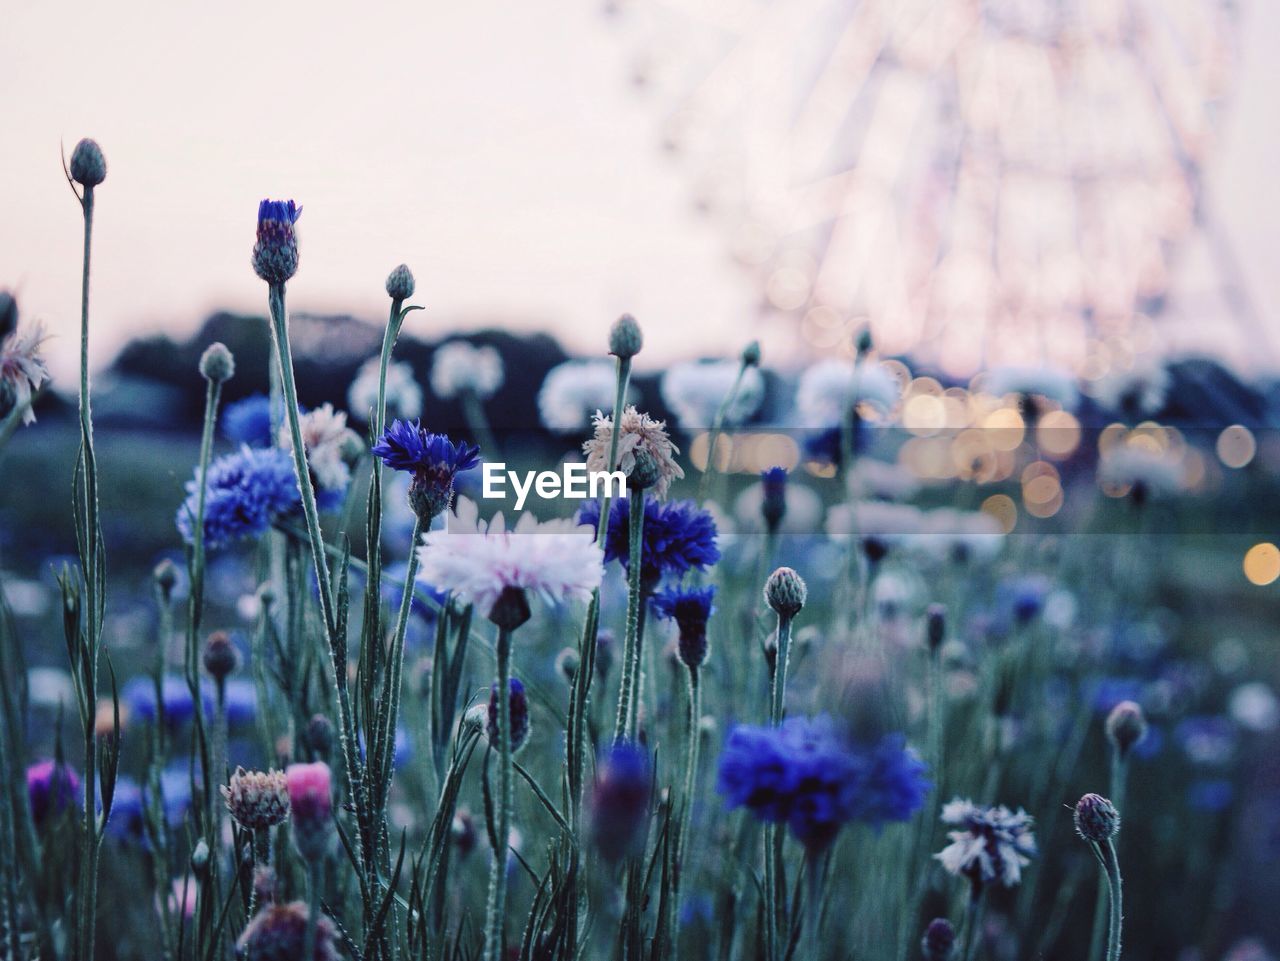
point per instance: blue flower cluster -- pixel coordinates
(248, 421)
(804, 775)
(678, 537)
(245, 492)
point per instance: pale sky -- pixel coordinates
(495, 147)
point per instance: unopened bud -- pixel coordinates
(751, 354)
(785, 592)
(935, 627)
(88, 166)
(1096, 818)
(625, 337)
(220, 656)
(400, 283)
(1126, 727)
(217, 364)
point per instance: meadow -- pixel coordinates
(867, 663)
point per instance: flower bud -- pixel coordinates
(625, 338)
(311, 804)
(863, 342)
(200, 859)
(518, 702)
(279, 931)
(567, 663)
(1096, 818)
(88, 166)
(217, 364)
(785, 592)
(935, 627)
(220, 656)
(400, 284)
(166, 577)
(645, 473)
(1126, 727)
(751, 354)
(275, 253)
(463, 831)
(939, 941)
(319, 735)
(773, 499)
(257, 800)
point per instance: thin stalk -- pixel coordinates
(813, 876)
(313, 908)
(713, 437)
(473, 411)
(1106, 853)
(972, 924)
(1119, 772)
(284, 358)
(690, 789)
(778, 698)
(625, 726)
(495, 914)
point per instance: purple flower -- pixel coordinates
(620, 800)
(805, 775)
(678, 536)
(244, 493)
(52, 787)
(432, 459)
(690, 608)
(519, 708)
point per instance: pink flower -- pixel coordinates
(310, 797)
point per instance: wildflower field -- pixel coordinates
(853, 661)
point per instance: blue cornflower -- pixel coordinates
(126, 821)
(245, 492)
(804, 775)
(620, 800)
(690, 608)
(678, 537)
(275, 253)
(432, 459)
(773, 501)
(1025, 597)
(248, 421)
(139, 695)
(52, 788)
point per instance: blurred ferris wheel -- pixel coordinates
(984, 183)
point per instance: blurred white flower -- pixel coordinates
(458, 367)
(328, 441)
(404, 396)
(1138, 392)
(1048, 382)
(50, 687)
(1139, 468)
(694, 391)
(830, 388)
(575, 390)
(947, 534)
(557, 559)
(885, 522)
(1254, 707)
(879, 479)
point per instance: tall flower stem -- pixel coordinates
(1119, 777)
(690, 791)
(473, 411)
(972, 923)
(1111, 867)
(313, 908)
(93, 567)
(813, 878)
(717, 426)
(778, 696)
(495, 914)
(628, 715)
(775, 876)
(575, 746)
(284, 358)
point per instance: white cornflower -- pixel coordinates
(22, 371)
(638, 432)
(1142, 471)
(948, 534)
(1254, 706)
(575, 390)
(880, 479)
(328, 442)
(558, 559)
(459, 367)
(695, 390)
(404, 396)
(990, 843)
(1048, 382)
(829, 388)
(1138, 392)
(890, 523)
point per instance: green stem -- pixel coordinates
(713, 438)
(972, 924)
(1111, 868)
(473, 411)
(284, 358)
(627, 720)
(313, 909)
(690, 784)
(778, 699)
(813, 875)
(495, 914)
(1119, 772)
